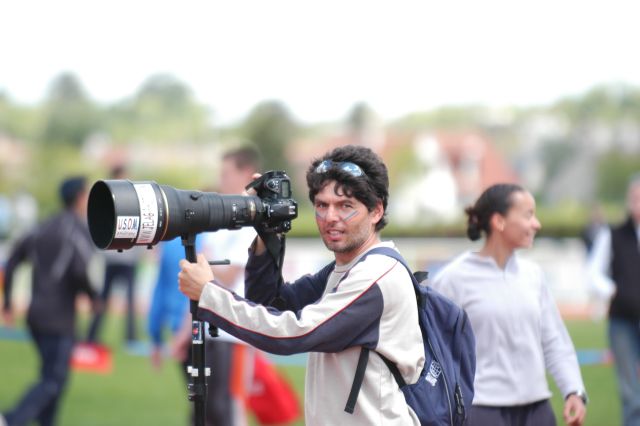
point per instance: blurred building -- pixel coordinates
(455, 168)
(448, 170)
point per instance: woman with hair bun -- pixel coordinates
(519, 332)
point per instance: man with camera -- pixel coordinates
(360, 301)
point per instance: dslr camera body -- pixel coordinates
(274, 190)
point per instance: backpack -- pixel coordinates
(444, 392)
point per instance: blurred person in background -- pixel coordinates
(593, 227)
(230, 359)
(596, 223)
(5, 231)
(59, 250)
(25, 209)
(614, 273)
(519, 331)
(169, 308)
(120, 267)
(6, 216)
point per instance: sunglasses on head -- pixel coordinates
(346, 166)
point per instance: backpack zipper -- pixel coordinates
(444, 377)
(460, 408)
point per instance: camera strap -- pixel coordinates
(275, 246)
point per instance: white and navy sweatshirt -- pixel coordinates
(332, 314)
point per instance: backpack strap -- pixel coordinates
(394, 370)
(363, 360)
(357, 380)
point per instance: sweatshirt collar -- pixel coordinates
(489, 261)
(343, 268)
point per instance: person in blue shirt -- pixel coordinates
(168, 306)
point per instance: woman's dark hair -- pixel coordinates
(369, 188)
(495, 199)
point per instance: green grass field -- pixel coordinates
(136, 394)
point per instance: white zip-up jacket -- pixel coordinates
(332, 314)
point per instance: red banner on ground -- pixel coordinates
(92, 358)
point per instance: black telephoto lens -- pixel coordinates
(123, 213)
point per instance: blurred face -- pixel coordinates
(346, 226)
(233, 179)
(633, 202)
(520, 225)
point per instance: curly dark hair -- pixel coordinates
(495, 199)
(368, 189)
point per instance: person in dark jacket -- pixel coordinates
(59, 250)
(614, 271)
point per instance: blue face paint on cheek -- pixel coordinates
(350, 215)
(320, 216)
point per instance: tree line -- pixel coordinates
(164, 110)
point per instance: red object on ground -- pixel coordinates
(92, 358)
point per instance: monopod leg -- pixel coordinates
(198, 373)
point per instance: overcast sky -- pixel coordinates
(321, 57)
